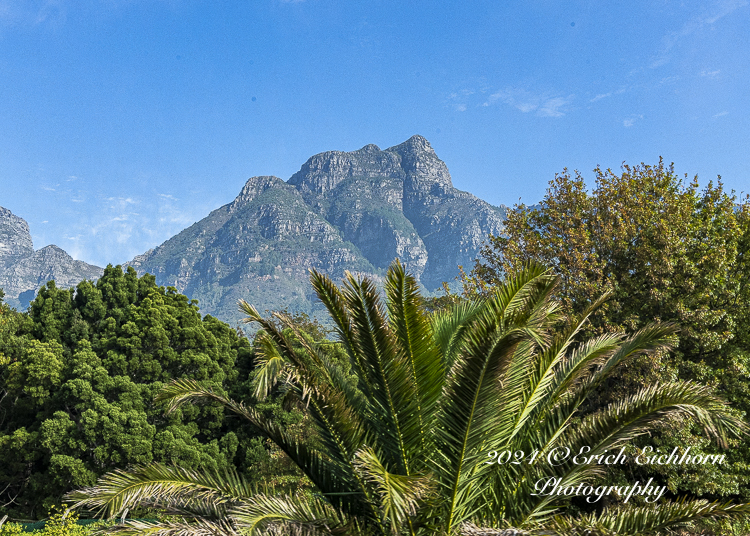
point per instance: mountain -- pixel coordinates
(352, 211)
(23, 271)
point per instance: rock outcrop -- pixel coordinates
(342, 211)
(354, 211)
(23, 271)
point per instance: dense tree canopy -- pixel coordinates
(667, 251)
(80, 373)
(404, 448)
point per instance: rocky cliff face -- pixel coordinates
(23, 271)
(353, 211)
(15, 238)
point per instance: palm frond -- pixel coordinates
(650, 339)
(331, 297)
(470, 416)
(158, 484)
(291, 515)
(413, 334)
(399, 495)
(270, 365)
(450, 327)
(332, 473)
(394, 397)
(635, 414)
(627, 520)
(192, 527)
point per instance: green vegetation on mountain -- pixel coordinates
(343, 211)
(666, 250)
(23, 270)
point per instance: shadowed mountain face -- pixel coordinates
(23, 271)
(353, 211)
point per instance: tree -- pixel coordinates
(666, 250)
(403, 450)
(83, 368)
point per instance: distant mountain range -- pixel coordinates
(23, 271)
(354, 211)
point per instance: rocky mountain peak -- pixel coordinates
(324, 171)
(15, 238)
(23, 270)
(53, 251)
(369, 148)
(415, 146)
(342, 211)
(425, 172)
(254, 187)
(414, 162)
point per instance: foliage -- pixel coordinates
(668, 251)
(267, 464)
(403, 450)
(61, 522)
(83, 368)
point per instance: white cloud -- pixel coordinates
(710, 74)
(713, 13)
(553, 107)
(542, 103)
(668, 80)
(629, 122)
(721, 114)
(722, 9)
(121, 201)
(459, 99)
(610, 93)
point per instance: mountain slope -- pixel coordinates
(353, 211)
(23, 271)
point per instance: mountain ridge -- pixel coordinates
(342, 211)
(24, 270)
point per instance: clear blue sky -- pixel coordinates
(124, 121)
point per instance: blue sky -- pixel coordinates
(124, 121)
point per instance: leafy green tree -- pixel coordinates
(666, 250)
(405, 449)
(84, 366)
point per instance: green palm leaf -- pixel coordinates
(288, 515)
(416, 349)
(403, 451)
(645, 520)
(153, 484)
(470, 416)
(399, 495)
(195, 527)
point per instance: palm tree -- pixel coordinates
(408, 448)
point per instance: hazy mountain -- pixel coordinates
(353, 211)
(23, 271)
